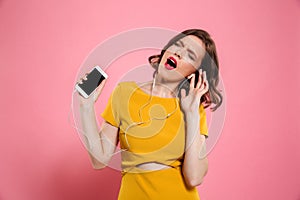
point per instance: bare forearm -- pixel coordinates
(195, 164)
(89, 124)
(94, 143)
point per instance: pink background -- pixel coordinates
(42, 46)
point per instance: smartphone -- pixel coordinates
(94, 78)
(196, 78)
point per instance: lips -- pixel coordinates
(171, 63)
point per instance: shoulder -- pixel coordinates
(125, 84)
(124, 87)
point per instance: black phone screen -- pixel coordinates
(94, 78)
(196, 78)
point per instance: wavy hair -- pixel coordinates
(209, 63)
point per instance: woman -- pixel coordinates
(161, 124)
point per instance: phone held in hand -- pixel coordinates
(94, 78)
(196, 78)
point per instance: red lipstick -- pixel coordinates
(171, 63)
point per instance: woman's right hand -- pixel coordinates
(93, 97)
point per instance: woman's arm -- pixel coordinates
(195, 165)
(100, 144)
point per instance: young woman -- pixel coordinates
(161, 124)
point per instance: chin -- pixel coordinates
(168, 76)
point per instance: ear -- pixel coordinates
(153, 60)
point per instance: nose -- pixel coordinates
(178, 54)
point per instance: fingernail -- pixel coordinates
(190, 76)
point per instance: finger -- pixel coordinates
(199, 93)
(204, 80)
(102, 84)
(192, 83)
(203, 76)
(199, 79)
(85, 76)
(99, 89)
(207, 85)
(80, 81)
(205, 88)
(183, 93)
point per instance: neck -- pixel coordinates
(164, 88)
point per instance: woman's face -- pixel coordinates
(182, 58)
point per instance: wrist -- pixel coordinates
(192, 122)
(191, 115)
(86, 108)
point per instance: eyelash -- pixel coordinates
(191, 57)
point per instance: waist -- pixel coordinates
(149, 167)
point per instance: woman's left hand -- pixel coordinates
(191, 102)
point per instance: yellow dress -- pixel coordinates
(158, 139)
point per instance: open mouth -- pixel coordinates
(171, 63)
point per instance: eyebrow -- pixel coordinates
(182, 44)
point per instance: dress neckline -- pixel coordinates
(153, 96)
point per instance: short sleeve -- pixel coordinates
(203, 121)
(111, 111)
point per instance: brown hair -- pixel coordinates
(209, 63)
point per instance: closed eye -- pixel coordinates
(191, 57)
(192, 54)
